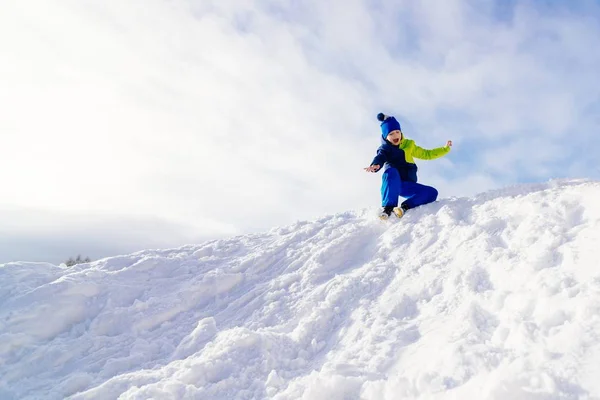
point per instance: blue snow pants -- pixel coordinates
(415, 193)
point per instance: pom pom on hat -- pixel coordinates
(388, 124)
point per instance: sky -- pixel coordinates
(152, 124)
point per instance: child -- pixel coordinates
(397, 155)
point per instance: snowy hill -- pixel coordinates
(491, 297)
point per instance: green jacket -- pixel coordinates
(412, 151)
(402, 157)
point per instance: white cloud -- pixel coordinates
(230, 117)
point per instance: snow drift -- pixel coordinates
(491, 297)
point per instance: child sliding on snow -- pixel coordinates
(397, 154)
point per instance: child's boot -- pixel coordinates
(398, 211)
(386, 212)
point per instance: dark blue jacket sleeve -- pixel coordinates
(380, 158)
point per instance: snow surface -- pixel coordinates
(491, 297)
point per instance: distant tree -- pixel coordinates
(70, 262)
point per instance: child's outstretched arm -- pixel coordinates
(377, 162)
(424, 154)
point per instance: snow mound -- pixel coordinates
(491, 297)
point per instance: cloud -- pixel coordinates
(233, 117)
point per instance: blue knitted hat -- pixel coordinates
(388, 124)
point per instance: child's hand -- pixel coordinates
(449, 144)
(373, 168)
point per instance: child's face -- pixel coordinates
(394, 137)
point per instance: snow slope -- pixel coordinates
(491, 297)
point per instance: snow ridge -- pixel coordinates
(491, 297)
